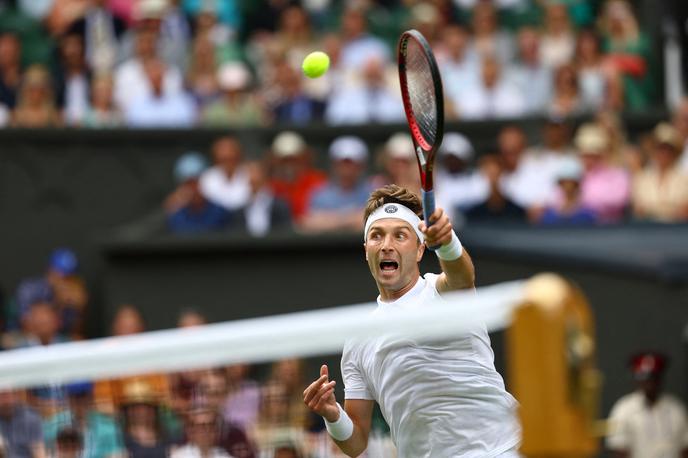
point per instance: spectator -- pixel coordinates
(359, 47)
(289, 373)
(568, 208)
(226, 183)
(101, 434)
(131, 81)
(35, 101)
(457, 185)
(187, 209)
(458, 63)
(605, 188)
(202, 431)
(492, 97)
(372, 102)
(73, 80)
(243, 397)
(127, 321)
(263, 211)
(338, 204)
(191, 318)
(592, 78)
(628, 51)
(295, 106)
(10, 69)
(69, 444)
(660, 192)
(558, 41)
(176, 34)
(489, 41)
(144, 434)
(295, 34)
(102, 111)
(237, 104)
(293, 177)
(202, 78)
(101, 31)
(274, 426)
(529, 73)
(398, 160)
(20, 427)
(629, 434)
(566, 99)
(497, 206)
(160, 108)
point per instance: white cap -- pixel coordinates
(400, 146)
(591, 139)
(569, 168)
(150, 9)
(233, 76)
(288, 144)
(348, 147)
(457, 145)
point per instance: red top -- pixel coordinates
(297, 193)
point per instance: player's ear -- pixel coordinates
(366, 251)
(421, 250)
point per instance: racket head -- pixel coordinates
(422, 94)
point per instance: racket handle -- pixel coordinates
(428, 209)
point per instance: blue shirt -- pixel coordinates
(582, 216)
(21, 432)
(102, 435)
(332, 197)
(211, 217)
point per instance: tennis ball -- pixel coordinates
(315, 64)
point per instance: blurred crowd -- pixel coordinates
(181, 63)
(240, 411)
(575, 175)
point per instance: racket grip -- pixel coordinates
(428, 209)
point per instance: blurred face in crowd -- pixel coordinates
(401, 168)
(8, 400)
(592, 159)
(227, 155)
(665, 156)
(10, 51)
(588, 47)
(275, 403)
(127, 321)
(202, 429)
(213, 387)
(141, 414)
(80, 404)
(191, 319)
(484, 19)
(72, 48)
(455, 40)
(374, 73)
(512, 142)
(651, 387)
(146, 43)
(44, 322)
(556, 135)
(565, 80)
(570, 189)
(289, 372)
(353, 23)
(528, 45)
(490, 72)
(290, 81)
(294, 20)
(453, 164)
(557, 18)
(237, 372)
(68, 448)
(36, 89)
(347, 172)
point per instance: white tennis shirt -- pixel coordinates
(442, 399)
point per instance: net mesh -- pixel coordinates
(421, 90)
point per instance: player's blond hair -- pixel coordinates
(393, 194)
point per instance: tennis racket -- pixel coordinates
(421, 91)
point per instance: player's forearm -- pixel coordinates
(356, 444)
(459, 273)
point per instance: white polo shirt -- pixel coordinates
(660, 431)
(441, 399)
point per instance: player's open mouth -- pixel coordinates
(389, 265)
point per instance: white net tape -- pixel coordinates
(256, 340)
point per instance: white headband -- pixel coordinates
(396, 211)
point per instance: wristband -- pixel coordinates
(452, 250)
(343, 428)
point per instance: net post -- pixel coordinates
(552, 372)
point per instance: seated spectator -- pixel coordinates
(492, 97)
(20, 427)
(293, 177)
(295, 34)
(458, 186)
(566, 98)
(191, 318)
(568, 208)
(243, 397)
(10, 69)
(264, 211)
(127, 321)
(289, 373)
(144, 434)
(202, 77)
(628, 52)
(202, 433)
(605, 188)
(237, 105)
(359, 46)
(35, 101)
(660, 191)
(628, 433)
(187, 209)
(101, 433)
(338, 205)
(40, 326)
(489, 40)
(558, 42)
(73, 79)
(398, 160)
(226, 183)
(497, 207)
(274, 425)
(458, 63)
(68, 444)
(529, 73)
(589, 63)
(160, 108)
(102, 111)
(294, 105)
(372, 102)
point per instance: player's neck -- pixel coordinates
(387, 295)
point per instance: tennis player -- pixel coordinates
(440, 399)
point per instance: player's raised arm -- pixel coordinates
(457, 266)
(348, 427)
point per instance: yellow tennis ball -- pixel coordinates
(315, 64)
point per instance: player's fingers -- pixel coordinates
(324, 400)
(423, 227)
(319, 395)
(444, 236)
(324, 370)
(313, 388)
(436, 215)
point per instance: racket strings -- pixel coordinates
(421, 90)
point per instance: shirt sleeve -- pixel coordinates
(355, 386)
(618, 437)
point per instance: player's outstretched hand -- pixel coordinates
(319, 396)
(440, 231)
